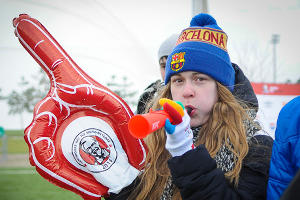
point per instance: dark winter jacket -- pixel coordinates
(243, 89)
(201, 179)
(147, 96)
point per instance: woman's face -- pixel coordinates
(195, 91)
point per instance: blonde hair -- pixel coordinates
(225, 124)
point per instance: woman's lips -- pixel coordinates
(190, 110)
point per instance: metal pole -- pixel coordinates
(199, 6)
(3, 150)
(274, 41)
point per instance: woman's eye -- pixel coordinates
(177, 80)
(200, 79)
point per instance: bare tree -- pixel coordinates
(28, 93)
(123, 89)
(256, 62)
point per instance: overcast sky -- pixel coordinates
(106, 37)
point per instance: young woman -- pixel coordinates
(223, 155)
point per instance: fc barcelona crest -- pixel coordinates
(177, 61)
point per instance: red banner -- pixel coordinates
(276, 89)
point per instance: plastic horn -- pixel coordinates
(142, 125)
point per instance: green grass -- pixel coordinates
(14, 132)
(14, 144)
(14, 141)
(16, 185)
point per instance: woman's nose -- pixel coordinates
(188, 90)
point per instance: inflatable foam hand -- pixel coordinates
(179, 136)
(79, 136)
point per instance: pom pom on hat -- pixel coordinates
(203, 19)
(202, 48)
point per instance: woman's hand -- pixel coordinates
(180, 136)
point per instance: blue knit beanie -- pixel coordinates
(202, 48)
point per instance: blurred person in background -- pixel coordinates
(285, 160)
(164, 50)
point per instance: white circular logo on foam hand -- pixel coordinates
(95, 148)
(88, 144)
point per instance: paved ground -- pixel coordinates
(14, 160)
